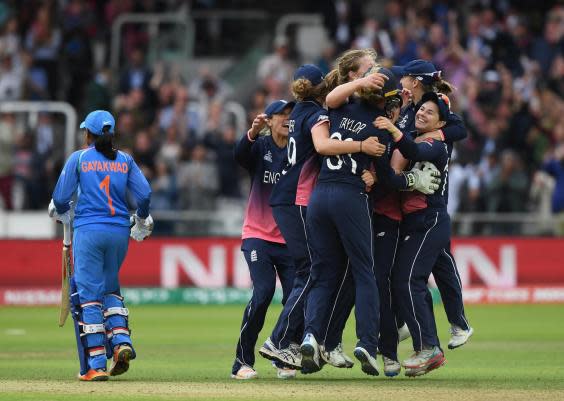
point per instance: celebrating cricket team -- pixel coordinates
(348, 207)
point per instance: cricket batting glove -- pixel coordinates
(64, 218)
(141, 228)
(425, 180)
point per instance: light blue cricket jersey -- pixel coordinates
(101, 185)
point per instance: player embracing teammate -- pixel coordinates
(323, 205)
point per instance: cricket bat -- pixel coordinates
(66, 274)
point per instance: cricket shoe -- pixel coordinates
(403, 333)
(245, 372)
(391, 367)
(120, 361)
(311, 359)
(459, 336)
(94, 375)
(338, 358)
(424, 361)
(289, 357)
(368, 363)
(283, 372)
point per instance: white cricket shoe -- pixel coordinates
(424, 361)
(290, 356)
(391, 367)
(311, 360)
(403, 333)
(338, 358)
(368, 363)
(459, 336)
(284, 373)
(245, 372)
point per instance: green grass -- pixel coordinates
(186, 352)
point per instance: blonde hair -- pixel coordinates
(332, 79)
(350, 61)
(303, 89)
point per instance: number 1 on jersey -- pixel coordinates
(105, 186)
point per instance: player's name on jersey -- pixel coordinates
(116, 167)
(351, 125)
(291, 125)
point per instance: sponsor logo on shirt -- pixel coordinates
(403, 121)
(268, 156)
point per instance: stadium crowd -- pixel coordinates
(506, 61)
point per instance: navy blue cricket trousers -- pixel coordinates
(449, 284)
(340, 222)
(291, 221)
(423, 235)
(386, 236)
(266, 260)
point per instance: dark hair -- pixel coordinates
(105, 144)
(440, 85)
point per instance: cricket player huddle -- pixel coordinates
(348, 208)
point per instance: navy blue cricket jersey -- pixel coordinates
(264, 160)
(436, 152)
(298, 177)
(353, 121)
(454, 129)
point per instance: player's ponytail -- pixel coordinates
(303, 89)
(445, 87)
(105, 144)
(439, 85)
(332, 80)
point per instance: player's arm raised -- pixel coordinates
(243, 151)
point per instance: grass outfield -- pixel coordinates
(186, 352)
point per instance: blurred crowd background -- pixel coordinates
(505, 57)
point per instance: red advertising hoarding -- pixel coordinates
(491, 270)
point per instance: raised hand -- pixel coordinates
(258, 124)
(373, 81)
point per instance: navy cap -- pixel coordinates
(442, 102)
(423, 70)
(391, 86)
(310, 72)
(277, 106)
(96, 120)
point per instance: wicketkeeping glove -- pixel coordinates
(425, 179)
(140, 228)
(64, 218)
